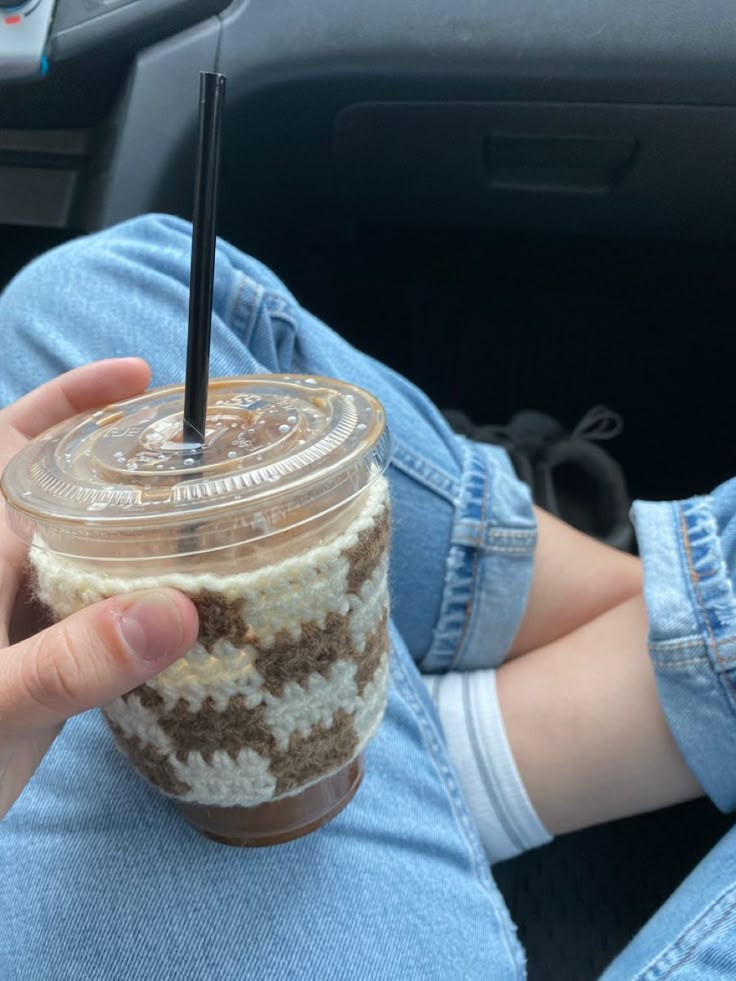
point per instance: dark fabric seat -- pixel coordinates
(578, 901)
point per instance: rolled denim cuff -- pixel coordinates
(489, 564)
(689, 594)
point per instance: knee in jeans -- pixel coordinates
(59, 265)
(169, 232)
(152, 240)
(162, 229)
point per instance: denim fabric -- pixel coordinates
(125, 291)
(693, 936)
(689, 554)
(489, 565)
(102, 880)
(100, 876)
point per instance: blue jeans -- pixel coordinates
(100, 876)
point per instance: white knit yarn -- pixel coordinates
(281, 597)
(247, 781)
(306, 586)
(368, 604)
(135, 720)
(229, 670)
(370, 706)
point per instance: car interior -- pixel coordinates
(516, 203)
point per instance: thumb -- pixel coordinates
(93, 656)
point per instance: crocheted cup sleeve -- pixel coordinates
(288, 679)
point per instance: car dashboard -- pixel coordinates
(570, 116)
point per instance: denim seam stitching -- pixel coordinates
(694, 640)
(280, 305)
(499, 531)
(427, 474)
(443, 647)
(469, 607)
(683, 663)
(237, 317)
(664, 648)
(510, 550)
(522, 541)
(483, 876)
(652, 965)
(695, 581)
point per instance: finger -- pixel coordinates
(83, 388)
(28, 615)
(92, 657)
(88, 387)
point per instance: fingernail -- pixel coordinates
(152, 627)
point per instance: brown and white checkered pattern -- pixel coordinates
(287, 681)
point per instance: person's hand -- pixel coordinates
(102, 651)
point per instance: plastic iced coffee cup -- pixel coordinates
(277, 528)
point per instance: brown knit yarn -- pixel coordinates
(219, 620)
(151, 762)
(365, 555)
(303, 702)
(324, 750)
(208, 729)
(376, 645)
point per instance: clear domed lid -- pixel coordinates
(279, 450)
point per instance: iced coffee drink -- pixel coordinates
(277, 527)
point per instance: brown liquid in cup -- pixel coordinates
(277, 822)
(121, 503)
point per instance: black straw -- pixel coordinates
(211, 101)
